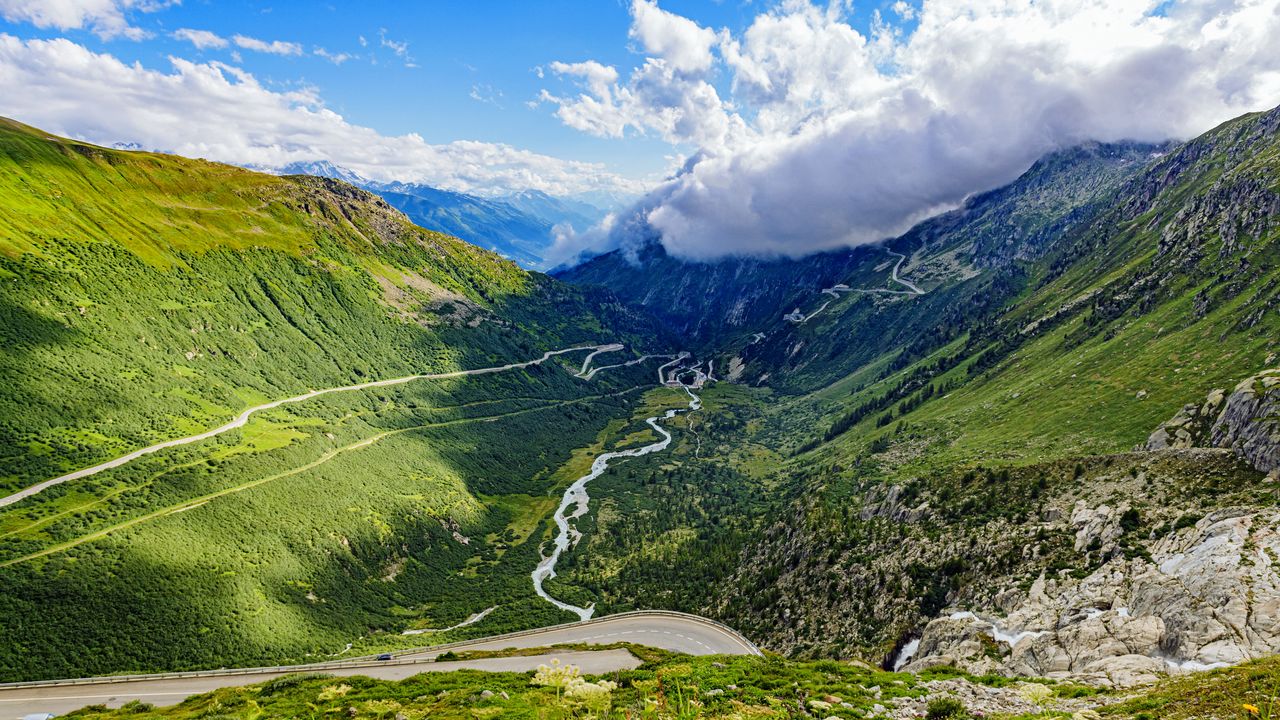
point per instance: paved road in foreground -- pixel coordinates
(59, 699)
(670, 631)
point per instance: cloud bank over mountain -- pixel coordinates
(827, 137)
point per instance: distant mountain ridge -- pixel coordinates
(519, 226)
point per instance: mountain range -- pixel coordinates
(519, 226)
(1035, 436)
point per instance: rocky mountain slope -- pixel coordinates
(1247, 420)
(1194, 593)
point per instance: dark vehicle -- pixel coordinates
(384, 656)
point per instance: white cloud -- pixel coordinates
(832, 137)
(684, 44)
(221, 112)
(657, 98)
(202, 39)
(274, 47)
(399, 47)
(335, 58)
(487, 94)
(106, 18)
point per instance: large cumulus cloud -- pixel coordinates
(831, 137)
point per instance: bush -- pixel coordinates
(1130, 520)
(946, 709)
(288, 681)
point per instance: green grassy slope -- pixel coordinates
(1144, 307)
(146, 297)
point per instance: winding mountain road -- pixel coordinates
(243, 417)
(676, 632)
(834, 291)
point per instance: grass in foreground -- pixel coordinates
(678, 686)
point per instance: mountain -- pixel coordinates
(146, 298)
(491, 224)
(715, 302)
(1034, 436)
(325, 169)
(556, 211)
(518, 226)
(944, 459)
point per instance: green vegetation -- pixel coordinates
(666, 686)
(915, 445)
(895, 456)
(146, 297)
(670, 686)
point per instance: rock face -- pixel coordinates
(1246, 421)
(1250, 422)
(1209, 596)
(1189, 427)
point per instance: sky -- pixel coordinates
(765, 127)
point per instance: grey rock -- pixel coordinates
(1250, 421)
(1209, 597)
(1246, 421)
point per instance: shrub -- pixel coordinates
(945, 709)
(1130, 520)
(287, 681)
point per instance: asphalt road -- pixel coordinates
(669, 631)
(243, 417)
(59, 699)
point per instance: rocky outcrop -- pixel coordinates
(892, 504)
(1096, 528)
(1246, 421)
(1250, 421)
(1189, 427)
(1209, 596)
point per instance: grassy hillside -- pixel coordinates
(146, 297)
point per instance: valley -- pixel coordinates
(1007, 443)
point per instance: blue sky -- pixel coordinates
(455, 52)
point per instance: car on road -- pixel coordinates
(384, 656)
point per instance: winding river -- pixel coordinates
(575, 501)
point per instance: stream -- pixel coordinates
(575, 501)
